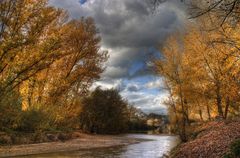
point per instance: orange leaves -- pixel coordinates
(48, 59)
(213, 141)
(202, 72)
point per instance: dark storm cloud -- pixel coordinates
(140, 32)
(115, 72)
(128, 28)
(140, 7)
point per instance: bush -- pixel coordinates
(65, 115)
(228, 155)
(139, 125)
(34, 120)
(235, 148)
(5, 139)
(10, 111)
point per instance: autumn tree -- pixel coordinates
(68, 79)
(29, 40)
(104, 111)
(170, 67)
(47, 61)
(216, 67)
(200, 76)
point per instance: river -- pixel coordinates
(155, 147)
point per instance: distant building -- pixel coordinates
(159, 122)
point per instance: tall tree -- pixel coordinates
(29, 40)
(48, 60)
(104, 111)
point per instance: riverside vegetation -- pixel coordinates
(48, 62)
(200, 69)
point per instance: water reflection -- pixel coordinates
(156, 147)
(151, 149)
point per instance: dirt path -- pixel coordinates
(84, 142)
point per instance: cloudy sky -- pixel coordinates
(131, 32)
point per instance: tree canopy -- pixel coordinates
(47, 60)
(104, 111)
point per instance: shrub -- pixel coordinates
(34, 120)
(235, 148)
(10, 111)
(5, 140)
(228, 155)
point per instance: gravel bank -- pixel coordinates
(83, 142)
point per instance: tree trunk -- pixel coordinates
(219, 101)
(208, 112)
(184, 118)
(186, 112)
(227, 107)
(200, 111)
(183, 131)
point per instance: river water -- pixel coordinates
(155, 147)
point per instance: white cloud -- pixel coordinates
(108, 84)
(156, 84)
(147, 102)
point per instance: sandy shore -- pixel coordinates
(84, 142)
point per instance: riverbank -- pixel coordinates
(212, 139)
(84, 141)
